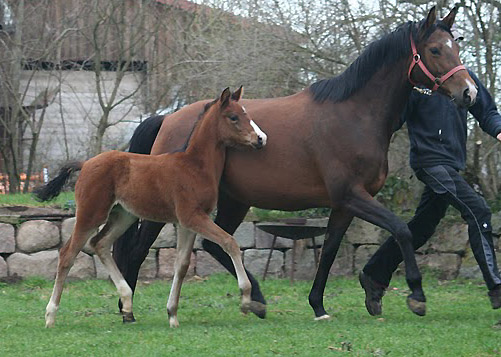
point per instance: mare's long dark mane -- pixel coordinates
(383, 52)
(143, 137)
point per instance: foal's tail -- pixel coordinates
(54, 186)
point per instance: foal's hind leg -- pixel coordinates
(132, 248)
(185, 240)
(118, 222)
(67, 256)
(202, 224)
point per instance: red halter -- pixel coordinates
(416, 59)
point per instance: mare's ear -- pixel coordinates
(225, 97)
(449, 19)
(238, 94)
(430, 20)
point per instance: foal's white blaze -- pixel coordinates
(244, 110)
(449, 43)
(259, 132)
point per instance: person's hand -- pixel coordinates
(499, 137)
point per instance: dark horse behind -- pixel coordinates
(327, 147)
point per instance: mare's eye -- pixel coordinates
(234, 118)
(435, 51)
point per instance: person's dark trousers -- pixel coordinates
(444, 187)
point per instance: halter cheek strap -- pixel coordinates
(438, 81)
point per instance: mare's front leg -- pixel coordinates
(364, 206)
(202, 224)
(230, 213)
(339, 221)
(184, 248)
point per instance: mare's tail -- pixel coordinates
(54, 186)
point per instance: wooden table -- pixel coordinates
(294, 229)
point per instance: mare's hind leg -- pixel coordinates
(67, 256)
(185, 240)
(339, 222)
(362, 205)
(202, 224)
(118, 222)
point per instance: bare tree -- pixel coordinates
(18, 123)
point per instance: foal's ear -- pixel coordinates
(449, 19)
(225, 97)
(238, 94)
(430, 20)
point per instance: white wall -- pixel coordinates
(78, 105)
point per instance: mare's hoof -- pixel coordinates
(128, 317)
(323, 317)
(258, 309)
(417, 307)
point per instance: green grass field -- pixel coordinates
(460, 321)
(27, 199)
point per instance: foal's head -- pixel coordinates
(235, 126)
(439, 52)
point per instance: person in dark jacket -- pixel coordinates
(437, 132)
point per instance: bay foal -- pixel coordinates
(180, 187)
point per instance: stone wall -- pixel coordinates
(31, 249)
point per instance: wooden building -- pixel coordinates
(96, 58)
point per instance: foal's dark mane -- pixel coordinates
(187, 142)
(383, 52)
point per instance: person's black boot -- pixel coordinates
(495, 297)
(374, 293)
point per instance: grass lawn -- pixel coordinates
(460, 321)
(27, 199)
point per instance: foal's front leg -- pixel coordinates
(185, 240)
(202, 224)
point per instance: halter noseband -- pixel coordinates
(438, 81)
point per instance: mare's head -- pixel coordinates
(235, 126)
(438, 53)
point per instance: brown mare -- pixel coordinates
(180, 187)
(328, 148)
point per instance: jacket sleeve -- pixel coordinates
(485, 110)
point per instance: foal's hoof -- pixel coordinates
(173, 323)
(128, 317)
(258, 309)
(417, 307)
